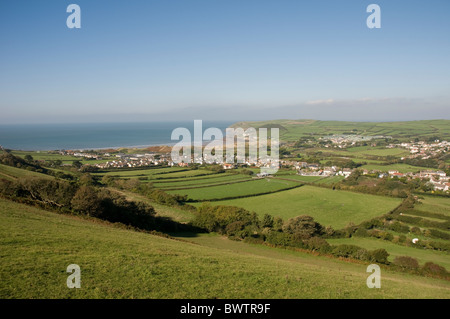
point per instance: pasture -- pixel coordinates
(249, 188)
(37, 246)
(422, 255)
(329, 207)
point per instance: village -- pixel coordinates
(422, 149)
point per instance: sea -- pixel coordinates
(87, 136)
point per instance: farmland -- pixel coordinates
(364, 210)
(422, 255)
(249, 188)
(294, 129)
(330, 208)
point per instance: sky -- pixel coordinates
(158, 60)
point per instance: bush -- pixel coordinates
(279, 238)
(398, 227)
(350, 251)
(361, 232)
(302, 227)
(432, 268)
(87, 202)
(416, 230)
(378, 256)
(254, 240)
(439, 234)
(318, 244)
(406, 262)
(220, 218)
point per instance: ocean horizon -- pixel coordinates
(86, 136)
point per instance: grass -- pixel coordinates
(210, 180)
(177, 214)
(12, 173)
(440, 205)
(329, 207)
(256, 186)
(422, 255)
(402, 168)
(307, 179)
(37, 246)
(140, 172)
(330, 180)
(295, 129)
(371, 151)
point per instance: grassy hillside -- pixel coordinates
(37, 246)
(9, 172)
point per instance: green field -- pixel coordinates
(292, 130)
(330, 180)
(422, 255)
(440, 205)
(256, 186)
(37, 246)
(329, 207)
(307, 179)
(402, 168)
(9, 172)
(189, 183)
(371, 151)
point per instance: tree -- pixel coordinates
(303, 227)
(77, 164)
(86, 180)
(86, 201)
(28, 158)
(267, 221)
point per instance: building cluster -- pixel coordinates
(346, 140)
(134, 160)
(424, 150)
(437, 179)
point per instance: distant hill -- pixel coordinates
(291, 130)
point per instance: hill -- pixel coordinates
(295, 129)
(36, 247)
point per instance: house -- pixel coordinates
(346, 172)
(228, 166)
(329, 171)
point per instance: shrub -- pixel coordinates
(86, 201)
(302, 227)
(350, 251)
(318, 244)
(378, 256)
(439, 234)
(361, 232)
(218, 218)
(432, 268)
(279, 238)
(416, 230)
(406, 262)
(254, 240)
(399, 227)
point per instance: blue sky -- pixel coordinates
(233, 59)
